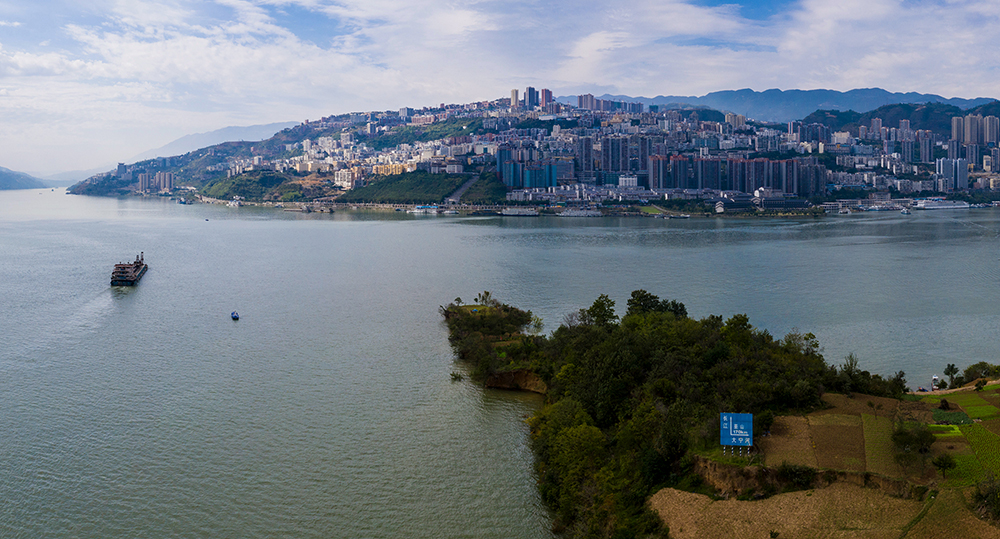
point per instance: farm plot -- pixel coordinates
(945, 431)
(992, 425)
(982, 412)
(966, 398)
(879, 449)
(789, 442)
(840, 510)
(949, 517)
(986, 445)
(839, 441)
(951, 418)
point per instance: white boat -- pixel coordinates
(519, 212)
(844, 211)
(580, 213)
(939, 204)
(905, 211)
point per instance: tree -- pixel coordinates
(602, 312)
(943, 463)
(950, 371)
(644, 302)
(980, 384)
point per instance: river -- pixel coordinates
(328, 409)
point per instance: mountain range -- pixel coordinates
(197, 141)
(10, 179)
(787, 105)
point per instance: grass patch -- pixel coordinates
(966, 399)
(650, 210)
(953, 418)
(967, 472)
(981, 412)
(944, 431)
(986, 445)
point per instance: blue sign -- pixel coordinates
(736, 429)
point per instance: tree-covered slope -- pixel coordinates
(630, 399)
(408, 188)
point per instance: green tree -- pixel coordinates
(943, 463)
(950, 371)
(602, 312)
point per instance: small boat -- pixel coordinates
(905, 211)
(235, 315)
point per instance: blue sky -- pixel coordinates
(87, 84)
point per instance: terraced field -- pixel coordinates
(878, 446)
(986, 445)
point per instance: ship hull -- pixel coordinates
(131, 281)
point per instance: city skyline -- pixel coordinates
(82, 86)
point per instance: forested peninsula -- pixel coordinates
(632, 410)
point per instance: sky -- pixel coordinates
(87, 84)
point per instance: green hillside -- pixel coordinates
(935, 117)
(409, 188)
(254, 186)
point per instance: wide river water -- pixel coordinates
(328, 409)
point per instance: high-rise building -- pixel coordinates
(991, 130)
(736, 120)
(708, 173)
(515, 103)
(926, 148)
(659, 172)
(957, 129)
(876, 128)
(586, 102)
(954, 149)
(972, 129)
(614, 154)
(972, 153)
(530, 98)
(679, 172)
(953, 174)
(906, 151)
(545, 98)
(585, 159)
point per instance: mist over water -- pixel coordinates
(328, 409)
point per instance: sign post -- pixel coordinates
(736, 430)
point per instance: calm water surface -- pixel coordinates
(328, 409)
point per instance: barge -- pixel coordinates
(129, 274)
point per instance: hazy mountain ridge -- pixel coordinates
(10, 179)
(787, 105)
(198, 141)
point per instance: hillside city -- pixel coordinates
(546, 151)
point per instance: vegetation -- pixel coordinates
(487, 190)
(407, 188)
(257, 185)
(630, 399)
(408, 134)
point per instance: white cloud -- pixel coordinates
(150, 71)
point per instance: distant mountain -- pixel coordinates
(65, 179)
(934, 117)
(197, 141)
(786, 105)
(10, 179)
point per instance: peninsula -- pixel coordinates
(628, 442)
